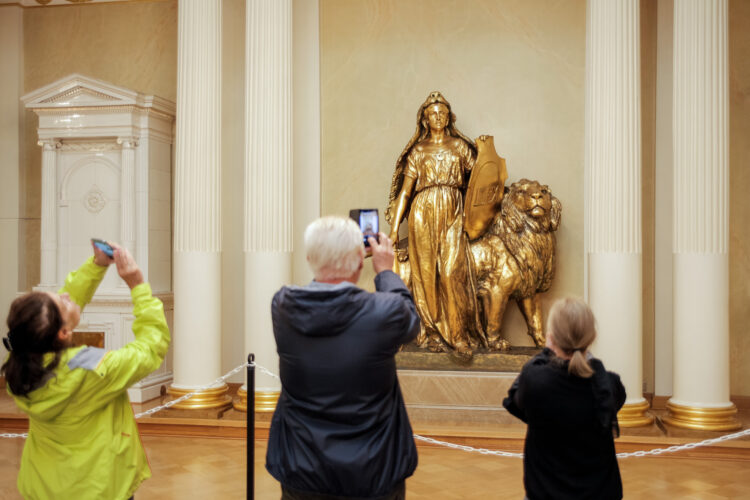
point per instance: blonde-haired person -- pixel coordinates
(570, 403)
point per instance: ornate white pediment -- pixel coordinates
(76, 91)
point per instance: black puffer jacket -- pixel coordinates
(570, 449)
(340, 426)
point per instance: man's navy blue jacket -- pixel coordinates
(340, 426)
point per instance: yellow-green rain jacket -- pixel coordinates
(83, 440)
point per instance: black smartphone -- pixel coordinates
(367, 218)
(103, 246)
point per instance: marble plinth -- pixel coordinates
(437, 390)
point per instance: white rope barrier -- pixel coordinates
(189, 395)
(11, 435)
(484, 451)
(481, 451)
(687, 446)
(468, 449)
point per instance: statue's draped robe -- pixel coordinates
(438, 247)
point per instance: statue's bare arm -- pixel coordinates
(402, 202)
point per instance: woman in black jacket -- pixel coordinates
(570, 403)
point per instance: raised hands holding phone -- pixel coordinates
(127, 268)
(382, 253)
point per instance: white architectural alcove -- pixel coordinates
(107, 173)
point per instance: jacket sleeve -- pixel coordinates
(513, 402)
(121, 368)
(83, 282)
(618, 391)
(405, 310)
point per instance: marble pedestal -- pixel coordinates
(439, 391)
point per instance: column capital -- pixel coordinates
(49, 144)
(128, 142)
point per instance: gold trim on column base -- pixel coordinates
(634, 415)
(208, 399)
(265, 401)
(241, 403)
(704, 419)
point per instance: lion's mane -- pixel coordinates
(530, 240)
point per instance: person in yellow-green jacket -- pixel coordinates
(83, 440)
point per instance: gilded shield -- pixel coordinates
(485, 192)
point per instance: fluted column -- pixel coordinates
(127, 192)
(142, 203)
(197, 233)
(613, 197)
(701, 234)
(268, 179)
(49, 278)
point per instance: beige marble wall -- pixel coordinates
(648, 165)
(129, 44)
(11, 78)
(739, 201)
(232, 185)
(514, 70)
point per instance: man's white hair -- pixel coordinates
(334, 247)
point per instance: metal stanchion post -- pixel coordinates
(250, 426)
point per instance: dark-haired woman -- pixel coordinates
(570, 403)
(83, 440)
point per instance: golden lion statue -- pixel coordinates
(515, 259)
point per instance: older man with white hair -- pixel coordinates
(340, 429)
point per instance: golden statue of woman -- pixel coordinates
(428, 187)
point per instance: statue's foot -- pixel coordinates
(431, 343)
(499, 345)
(539, 339)
(462, 351)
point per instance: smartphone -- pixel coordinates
(367, 218)
(103, 246)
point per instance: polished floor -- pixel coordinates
(204, 458)
(213, 468)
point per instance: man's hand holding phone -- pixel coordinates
(382, 253)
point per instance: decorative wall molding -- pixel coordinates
(95, 200)
(103, 110)
(92, 147)
(76, 92)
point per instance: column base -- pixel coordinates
(208, 399)
(634, 415)
(705, 419)
(265, 401)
